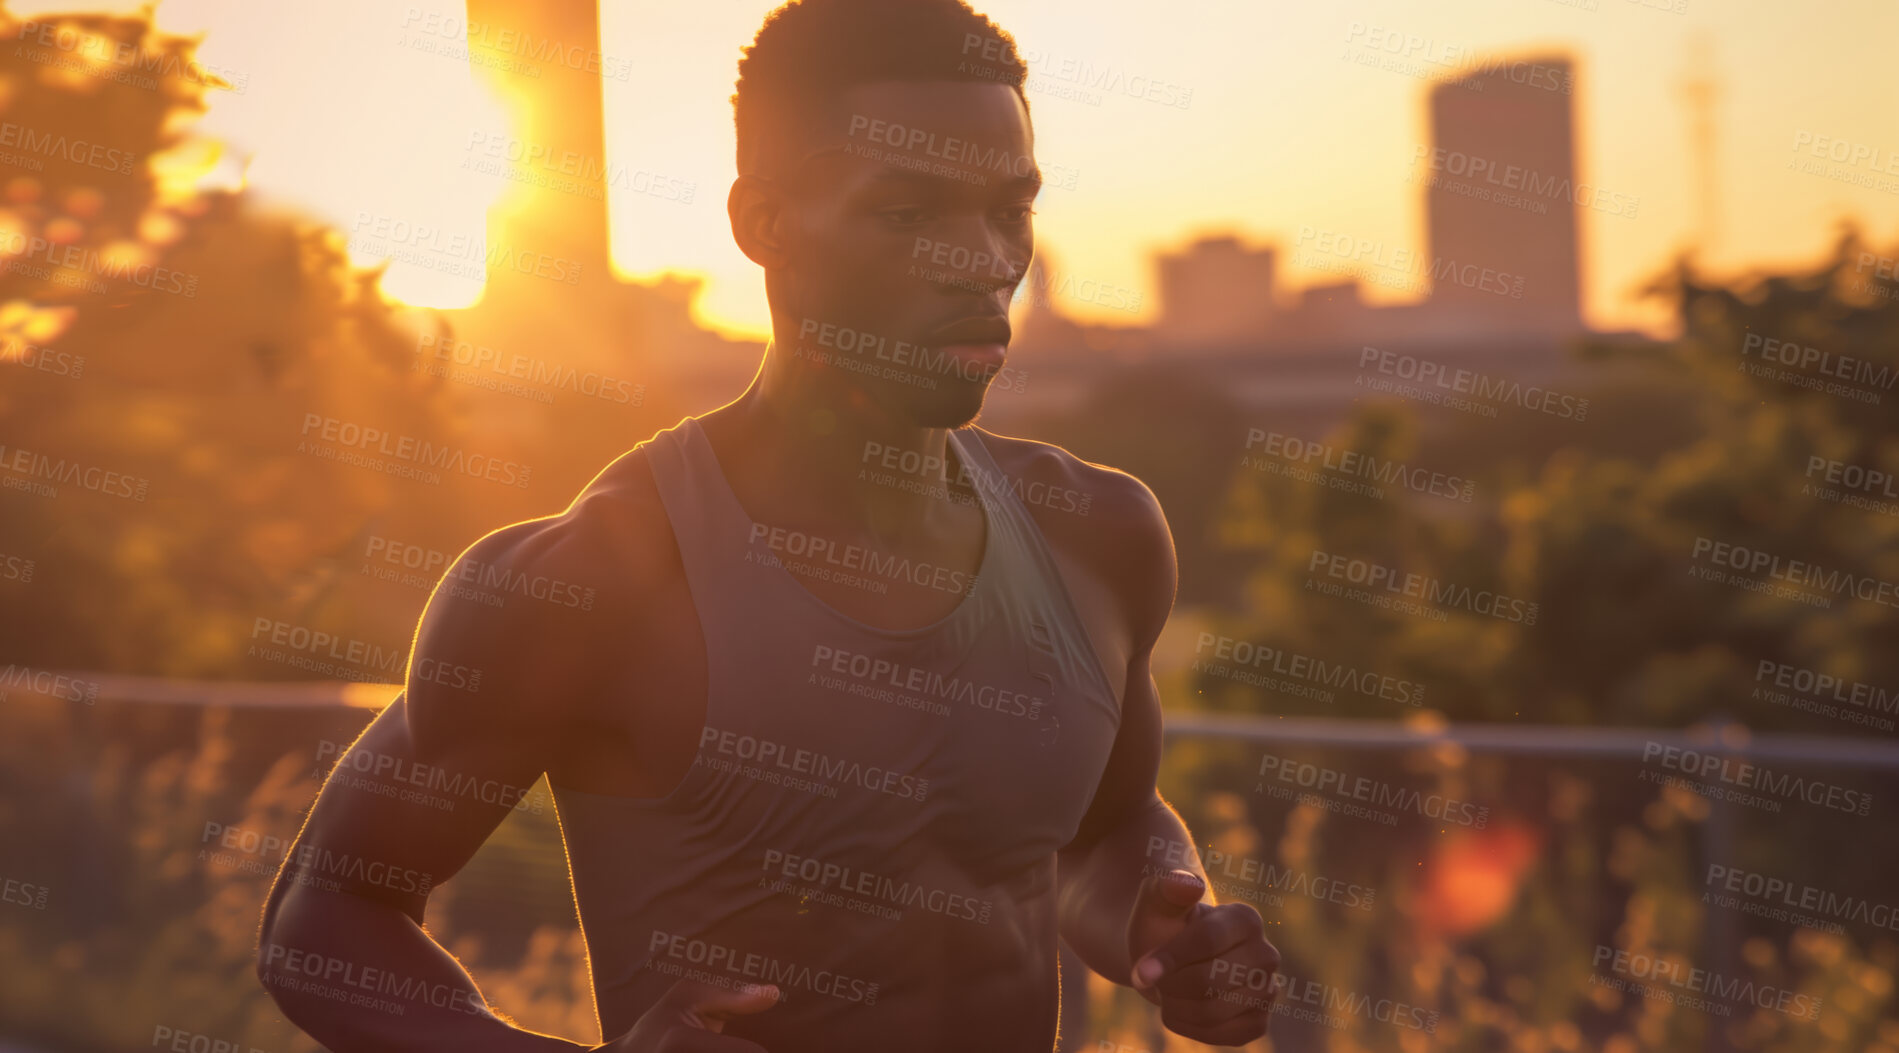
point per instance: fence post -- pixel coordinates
(1718, 924)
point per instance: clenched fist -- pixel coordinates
(1209, 968)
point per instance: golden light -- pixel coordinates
(160, 228)
(64, 230)
(14, 232)
(193, 167)
(1473, 878)
(85, 203)
(126, 255)
(425, 275)
(24, 324)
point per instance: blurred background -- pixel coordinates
(1573, 321)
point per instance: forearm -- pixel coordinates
(358, 975)
(1096, 888)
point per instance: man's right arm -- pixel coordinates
(342, 948)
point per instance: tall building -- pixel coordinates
(1501, 199)
(551, 292)
(1215, 293)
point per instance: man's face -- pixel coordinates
(912, 221)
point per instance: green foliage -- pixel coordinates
(1598, 528)
(1603, 543)
(192, 338)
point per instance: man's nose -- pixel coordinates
(979, 259)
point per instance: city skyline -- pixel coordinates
(1341, 159)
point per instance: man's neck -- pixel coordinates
(817, 455)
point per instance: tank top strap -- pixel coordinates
(1032, 586)
(709, 525)
(1011, 532)
(1014, 528)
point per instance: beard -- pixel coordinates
(953, 404)
(919, 389)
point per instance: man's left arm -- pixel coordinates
(1132, 894)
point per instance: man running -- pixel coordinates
(844, 702)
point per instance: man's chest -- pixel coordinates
(639, 733)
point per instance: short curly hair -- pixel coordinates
(808, 52)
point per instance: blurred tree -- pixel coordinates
(1599, 532)
(170, 356)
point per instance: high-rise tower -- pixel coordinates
(1502, 199)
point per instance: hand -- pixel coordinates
(689, 1017)
(1209, 968)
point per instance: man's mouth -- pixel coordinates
(973, 361)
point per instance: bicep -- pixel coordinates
(390, 826)
(414, 797)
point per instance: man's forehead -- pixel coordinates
(998, 171)
(906, 112)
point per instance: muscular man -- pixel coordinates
(844, 702)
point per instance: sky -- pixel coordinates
(1284, 118)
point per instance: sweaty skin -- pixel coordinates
(609, 697)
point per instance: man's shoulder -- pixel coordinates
(1049, 477)
(1107, 518)
(552, 612)
(612, 544)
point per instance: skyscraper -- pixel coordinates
(1501, 199)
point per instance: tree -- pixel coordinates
(173, 359)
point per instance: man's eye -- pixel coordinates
(1019, 214)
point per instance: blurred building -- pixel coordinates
(1503, 254)
(1501, 199)
(1215, 292)
(545, 59)
(1497, 287)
